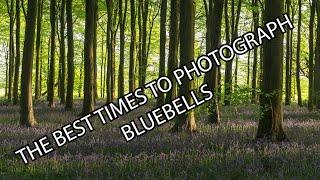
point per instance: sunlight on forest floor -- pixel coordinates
(228, 151)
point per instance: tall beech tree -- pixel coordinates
(88, 101)
(256, 16)
(52, 53)
(271, 119)
(26, 106)
(298, 65)
(132, 46)
(214, 21)
(187, 121)
(173, 47)
(38, 56)
(10, 9)
(62, 60)
(288, 61)
(317, 61)
(311, 55)
(122, 21)
(70, 56)
(17, 62)
(163, 31)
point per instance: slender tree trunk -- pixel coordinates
(298, 56)
(317, 62)
(132, 47)
(62, 53)
(88, 102)
(173, 48)
(11, 49)
(144, 58)
(26, 112)
(214, 40)
(163, 36)
(122, 20)
(110, 46)
(70, 57)
(52, 53)
(255, 14)
(7, 73)
(17, 63)
(38, 43)
(228, 71)
(270, 123)
(311, 55)
(95, 63)
(288, 59)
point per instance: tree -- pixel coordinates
(186, 122)
(10, 8)
(26, 106)
(288, 60)
(173, 48)
(122, 20)
(271, 119)
(52, 53)
(62, 60)
(255, 15)
(214, 20)
(132, 47)
(163, 36)
(298, 56)
(111, 51)
(17, 62)
(311, 55)
(88, 101)
(317, 61)
(70, 56)
(38, 43)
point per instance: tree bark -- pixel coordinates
(10, 8)
(186, 122)
(317, 62)
(62, 53)
(270, 123)
(298, 56)
(122, 20)
(52, 53)
(311, 55)
(163, 36)
(26, 106)
(132, 47)
(173, 48)
(38, 43)
(70, 56)
(17, 63)
(255, 14)
(288, 59)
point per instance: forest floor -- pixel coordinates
(228, 151)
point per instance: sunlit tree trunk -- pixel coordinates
(17, 62)
(132, 46)
(298, 66)
(10, 8)
(255, 14)
(311, 55)
(38, 56)
(26, 106)
(62, 53)
(317, 62)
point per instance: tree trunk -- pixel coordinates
(144, 58)
(38, 43)
(110, 46)
(271, 119)
(311, 55)
(62, 53)
(26, 113)
(186, 122)
(122, 20)
(288, 59)
(317, 62)
(173, 48)
(52, 53)
(132, 47)
(255, 14)
(298, 56)
(11, 49)
(17, 63)
(214, 32)
(70, 57)
(163, 36)
(88, 102)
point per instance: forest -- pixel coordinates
(63, 59)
